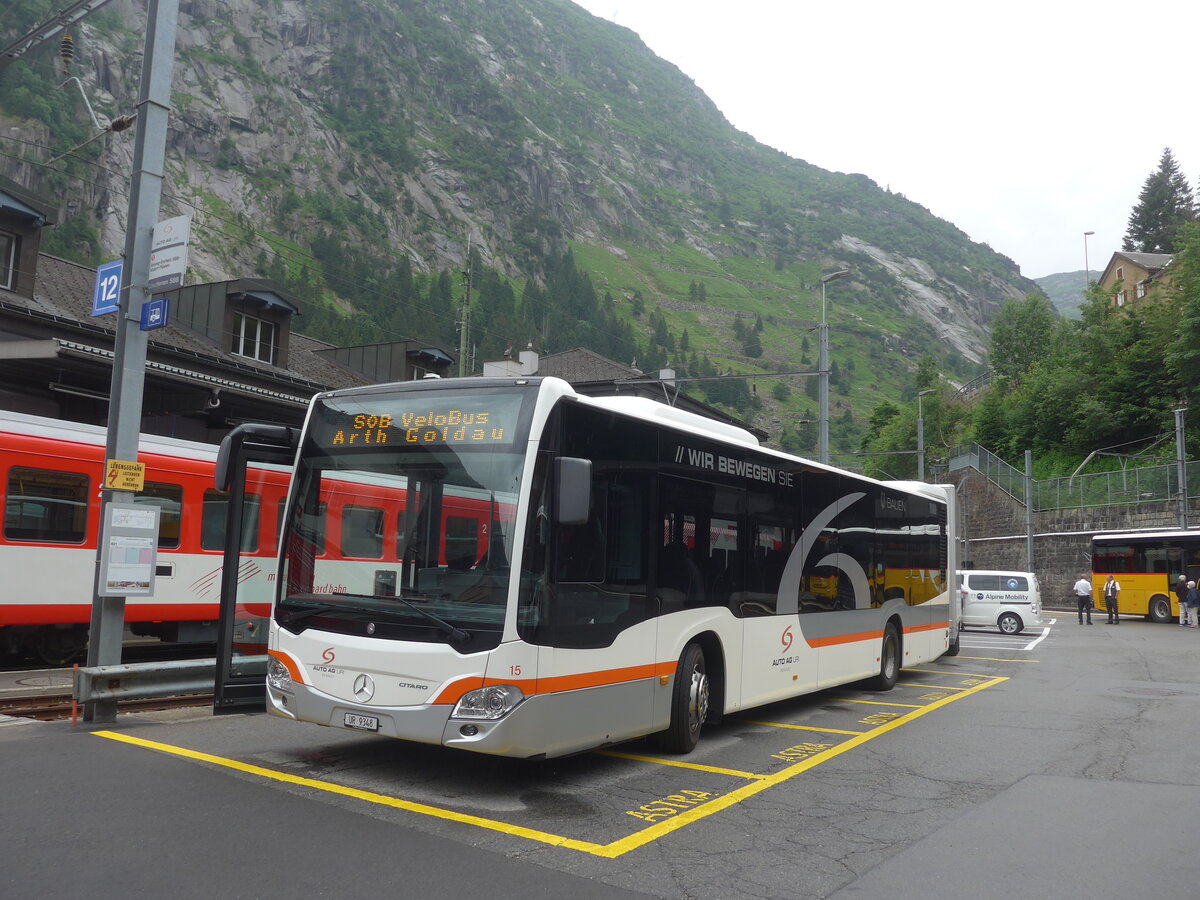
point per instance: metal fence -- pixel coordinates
(1141, 485)
(1000, 473)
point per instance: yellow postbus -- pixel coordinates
(1146, 564)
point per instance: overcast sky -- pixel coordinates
(1023, 123)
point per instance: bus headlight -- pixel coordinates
(278, 676)
(492, 702)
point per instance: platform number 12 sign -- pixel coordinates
(107, 294)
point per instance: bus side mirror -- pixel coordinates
(574, 477)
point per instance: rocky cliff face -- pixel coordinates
(406, 127)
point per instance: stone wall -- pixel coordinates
(992, 528)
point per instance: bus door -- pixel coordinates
(596, 630)
(246, 587)
(690, 560)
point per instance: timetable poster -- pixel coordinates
(130, 565)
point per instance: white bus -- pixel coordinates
(517, 569)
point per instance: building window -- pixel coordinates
(1141, 290)
(8, 260)
(1120, 273)
(1120, 298)
(255, 338)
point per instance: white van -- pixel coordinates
(1010, 601)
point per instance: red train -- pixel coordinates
(51, 475)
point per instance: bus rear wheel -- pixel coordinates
(1160, 608)
(689, 703)
(955, 645)
(889, 660)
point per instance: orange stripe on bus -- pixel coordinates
(844, 639)
(454, 691)
(934, 626)
(868, 635)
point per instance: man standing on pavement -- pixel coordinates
(1083, 594)
(1112, 588)
(1179, 589)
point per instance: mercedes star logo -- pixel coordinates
(364, 688)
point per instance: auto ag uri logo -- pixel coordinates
(786, 638)
(329, 656)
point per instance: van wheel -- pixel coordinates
(1010, 623)
(889, 660)
(1160, 609)
(689, 703)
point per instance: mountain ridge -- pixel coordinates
(391, 134)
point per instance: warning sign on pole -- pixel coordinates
(124, 476)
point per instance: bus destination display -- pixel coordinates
(433, 424)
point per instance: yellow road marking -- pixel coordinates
(925, 685)
(658, 760)
(996, 659)
(801, 727)
(607, 851)
(368, 796)
(877, 703)
(950, 672)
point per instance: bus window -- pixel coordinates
(212, 522)
(362, 532)
(169, 499)
(46, 506)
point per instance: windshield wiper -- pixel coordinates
(299, 615)
(455, 634)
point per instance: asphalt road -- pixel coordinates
(1055, 765)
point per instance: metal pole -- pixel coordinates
(1181, 467)
(920, 443)
(921, 436)
(1028, 510)
(1087, 270)
(823, 367)
(129, 353)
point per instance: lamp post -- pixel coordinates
(1087, 270)
(823, 368)
(921, 437)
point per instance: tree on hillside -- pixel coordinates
(1022, 334)
(1165, 203)
(1183, 354)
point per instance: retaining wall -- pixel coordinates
(993, 531)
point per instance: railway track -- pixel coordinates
(53, 707)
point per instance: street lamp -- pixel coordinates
(823, 368)
(921, 437)
(1087, 270)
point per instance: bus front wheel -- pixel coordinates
(689, 702)
(1160, 608)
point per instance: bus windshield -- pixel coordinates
(402, 516)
